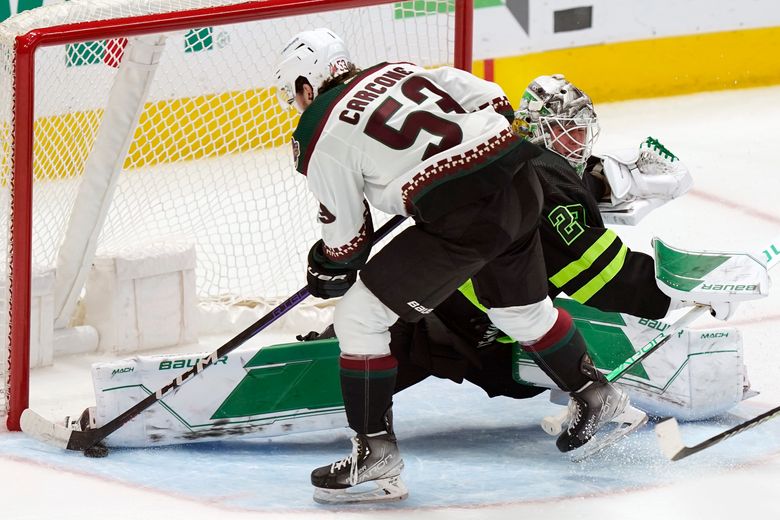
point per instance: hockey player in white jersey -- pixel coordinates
(436, 145)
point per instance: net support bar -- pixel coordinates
(126, 103)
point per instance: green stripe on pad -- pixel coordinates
(682, 270)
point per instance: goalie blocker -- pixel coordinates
(290, 388)
(709, 277)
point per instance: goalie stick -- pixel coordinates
(88, 440)
(667, 431)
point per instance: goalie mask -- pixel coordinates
(316, 56)
(558, 115)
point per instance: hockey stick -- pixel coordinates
(88, 440)
(667, 431)
(656, 343)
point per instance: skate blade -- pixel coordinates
(630, 420)
(385, 490)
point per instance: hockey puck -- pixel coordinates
(96, 452)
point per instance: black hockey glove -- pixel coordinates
(326, 279)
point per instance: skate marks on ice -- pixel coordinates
(460, 449)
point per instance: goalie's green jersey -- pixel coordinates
(584, 259)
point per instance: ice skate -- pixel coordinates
(375, 459)
(590, 410)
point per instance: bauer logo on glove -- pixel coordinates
(326, 279)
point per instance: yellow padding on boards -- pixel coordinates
(168, 131)
(652, 68)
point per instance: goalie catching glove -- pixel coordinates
(650, 172)
(326, 279)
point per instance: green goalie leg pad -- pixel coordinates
(291, 376)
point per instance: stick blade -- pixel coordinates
(668, 434)
(37, 427)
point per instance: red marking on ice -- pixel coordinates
(709, 197)
(758, 320)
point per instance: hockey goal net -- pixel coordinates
(143, 138)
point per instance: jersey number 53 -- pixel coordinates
(417, 121)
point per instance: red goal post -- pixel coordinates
(58, 26)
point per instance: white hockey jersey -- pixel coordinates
(391, 135)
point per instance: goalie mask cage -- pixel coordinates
(143, 125)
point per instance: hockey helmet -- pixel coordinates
(560, 116)
(317, 56)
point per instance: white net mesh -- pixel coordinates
(209, 163)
